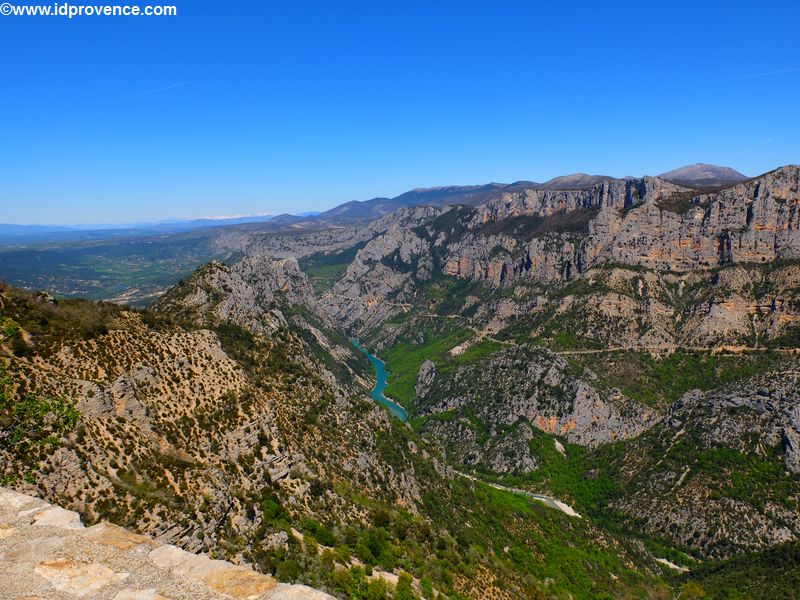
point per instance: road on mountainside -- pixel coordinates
(547, 500)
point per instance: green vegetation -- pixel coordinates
(403, 360)
(584, 479)
(326, 268)
(49, 322)
(530, 226)
(323, 277)
(657, 381)
(750, 478)
(680, 202)
(773, 574)
(31, 427)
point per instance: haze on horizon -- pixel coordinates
(302, 108)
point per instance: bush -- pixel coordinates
(287, 571)
(403, 590)
(32, 426)
(322, 534)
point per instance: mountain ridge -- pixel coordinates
(701, 175)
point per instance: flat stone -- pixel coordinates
(47, 554)
(239, 583)
(169, 557)
(198, 566)
(78, 577)
(298, 592)
(117, 537)
(14, 501)
(148, 594)
(33, 511)
(32, 551)
(55, 516)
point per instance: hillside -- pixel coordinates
(249, 436)
(626, 347)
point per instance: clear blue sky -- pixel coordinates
(293, 106)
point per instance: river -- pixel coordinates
(381, 375)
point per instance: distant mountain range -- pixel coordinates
(698, 176)
(11, 233)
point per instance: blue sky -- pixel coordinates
(253, 106)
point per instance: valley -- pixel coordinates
(586, 388)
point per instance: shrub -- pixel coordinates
(33, 425)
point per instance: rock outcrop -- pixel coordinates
(244, 294)
(381, 281)
(485, 413)
(47, 554)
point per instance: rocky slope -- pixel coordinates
(183, 432)
(258, 445)
(485, 412)
(720, 472)
(245, 294)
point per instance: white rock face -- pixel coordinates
(244, 294)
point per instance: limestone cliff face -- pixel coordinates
(381, 281)
(756, 221)
(647, 222)
(514, 392)
(244, 294)
(616, 307)
(614, 193)
(550, 237)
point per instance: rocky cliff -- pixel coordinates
(245, 294)
(548, 238)
(647, 222)
(484, 413)
(720, 471)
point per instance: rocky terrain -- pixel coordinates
(486, 411)
(245, 294)
(258, 445)
(720, 471)
(463, 305)
(627, 346)
(47, 554)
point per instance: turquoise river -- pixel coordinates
(381, 375)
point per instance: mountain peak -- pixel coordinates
(703, 175)
(575, 181)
